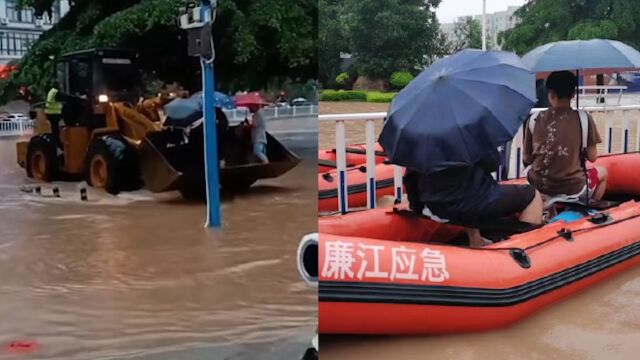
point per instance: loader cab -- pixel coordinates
(102, 75)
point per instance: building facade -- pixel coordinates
(19, 28)
(496, 23)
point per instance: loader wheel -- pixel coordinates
(42, 159)
(111, 164)
(98, 174)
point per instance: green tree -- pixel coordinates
(332, 37)
(441, 48)
(256, 40)
(544, 21)
(467, 34)
(389, 35)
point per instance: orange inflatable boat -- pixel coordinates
(355, 154)
(356, 189)
(390, 271)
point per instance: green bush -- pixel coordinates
(352, 95)
(400, 79)
(380, 97)
(342, 95)
(342, 79)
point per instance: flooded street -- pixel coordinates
(137, 276)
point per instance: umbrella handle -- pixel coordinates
(577, 89)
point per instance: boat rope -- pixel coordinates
(581, 230)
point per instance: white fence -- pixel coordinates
(15, 128)
(513, 158)
(602, 92)
(239, 114)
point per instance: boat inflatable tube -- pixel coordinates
(355, 155)
(308, 259)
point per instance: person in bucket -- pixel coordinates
(557, 145)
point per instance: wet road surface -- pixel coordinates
(137, 276)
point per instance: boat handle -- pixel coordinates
(566, 234)
(521, 258)
(600, 218)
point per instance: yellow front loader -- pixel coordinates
(117, 142)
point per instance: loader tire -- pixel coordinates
(42, 159)
(111, 164)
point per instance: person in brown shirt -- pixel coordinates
(553, 151)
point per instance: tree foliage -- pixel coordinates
(400, 79)
(383, 35)
(467, 34)
(389, 35)
(256, 40)
(342, 79)
(332, 37)
(544, 21)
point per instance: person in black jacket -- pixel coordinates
(470, 193)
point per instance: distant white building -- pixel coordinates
(19, 28)
(496, 23)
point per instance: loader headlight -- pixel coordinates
(103, 98)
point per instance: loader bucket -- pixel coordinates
(160, 162)
(281, 160)
(166, 164)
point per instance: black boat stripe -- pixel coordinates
(354, 189)
(331, 164)
(352, 150)
(339, 291)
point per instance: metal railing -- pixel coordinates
(15, 128)
(241, 113)
(601, 91)
(513, 159)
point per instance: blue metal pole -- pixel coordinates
(210, 140)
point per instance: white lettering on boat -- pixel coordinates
(435, 268)
(338, 260)
(402, 263)
(375, 273)
(343, 258)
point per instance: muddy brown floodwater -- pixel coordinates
(137, 275)
(602, 322)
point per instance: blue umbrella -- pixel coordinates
(220, 100)
(597, 54)
(184, 108)
(224, 101)
(458, 110)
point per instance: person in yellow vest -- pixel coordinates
(53, 110)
